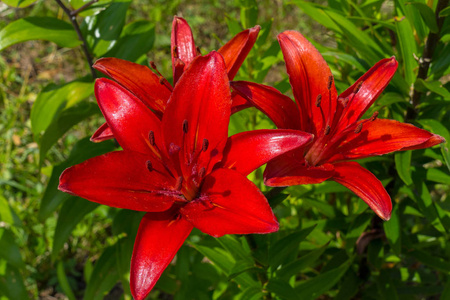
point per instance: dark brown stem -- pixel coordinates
(425, 60)
(77, 11)
(73, 20)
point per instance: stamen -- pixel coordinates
(162, 80)
(153, 65)
(179, 183)
(330, 82)
(201, 173)
(318, 100)
(357, 87)
(149, 165)
(205, 145)
(359, 128)
(327, 130)
(185, 126)
(151, 138)
(343, 101)
(173, 148)
(374, 116)
(175, 51)
(198, 51)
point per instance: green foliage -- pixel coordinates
(329, 244)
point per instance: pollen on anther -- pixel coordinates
(149, 165)
(327, 130)
(330, 82)
(185, 126)
(374, 116)
(153, 65)
(162, 80)
(359, 128)
(205, 145)
(179, 183)
(198, 51)
(175, 52)
(318, 100)
(151, 138)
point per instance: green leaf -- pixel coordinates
(433, 261)
(436, 127)
(62, 123)
(437, 175)
(55, 98)
(83, 150)
(7, 214)
(408, 48)
(39, 28)
(232, 245)
(11, 282)
(19, 3)
(302, 263)
(427, 14)
(393, 230)
(385, 286)
(71, 213)
(104, 276)
(136, 40)
(433, 86)
(445, 12)
(63, 282)
(9, 249)
(285, 247)
(403, 164)
(282, 289)
(313, 288)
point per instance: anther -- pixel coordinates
(327, 130)
(153, 65)
(175, 51)
(343, 101)
(330, 82)
(359, 128)
(162, 80)
(205, 145)
(374, 116)
(318, 100)
(149, 165)
(185, 126)
(173, 148)
(179, 183)
(357, 87)
(201, 173)
(151, 138)
(198, 51)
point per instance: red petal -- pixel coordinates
(365, 185)
(236, 50)
(128, 118)
(199, 109)
(182, 46)
(138, 79)
(309, 76)
(383, 136)
(230, 204)
(249, 150)
(159, 237)
(278, 107)
(373, 82)
(103, 133)
(238, 103)
(121, 179)
(290, 169)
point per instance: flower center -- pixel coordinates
(335, 130)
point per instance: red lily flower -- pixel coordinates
(153, 89)
(339, 134)
(182, 170)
